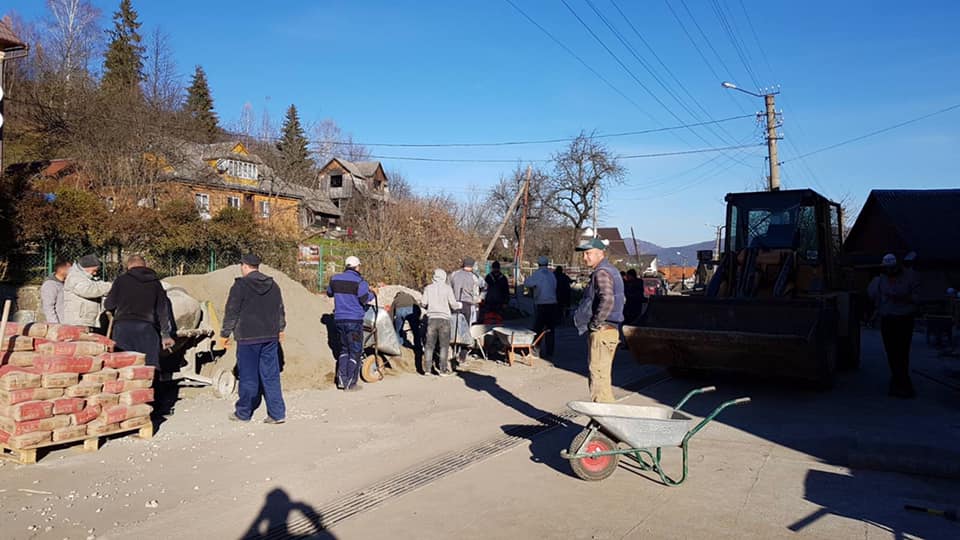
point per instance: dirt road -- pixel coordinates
(472, 456)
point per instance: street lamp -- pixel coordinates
(683, 277)
(771, 114)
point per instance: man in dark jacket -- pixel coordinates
(350, 293)
(498, 289)
(141, 311)
(255, 317)
(600, 313)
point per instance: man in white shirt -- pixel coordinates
(543, 284)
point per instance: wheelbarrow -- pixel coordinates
(518, 343)
(638, 431)
(373, 365)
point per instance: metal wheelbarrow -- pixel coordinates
(518, 343)
(638, 431)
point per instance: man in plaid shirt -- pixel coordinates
(600, 313)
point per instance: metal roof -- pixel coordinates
(926, 220)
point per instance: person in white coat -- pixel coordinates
(82, 294)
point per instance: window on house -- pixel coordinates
(336, 180)
(242, 169)
(233, 202)
(265, 209)
(203, 202)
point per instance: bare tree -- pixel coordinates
(72, 36)
(580, 177)
(248, 121)
(329, 142)
(163, 88)
(397, 183)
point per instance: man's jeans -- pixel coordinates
(409, 314)
(438, 336)
(351, 353)
(258, 365)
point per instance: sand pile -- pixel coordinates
(308, 360)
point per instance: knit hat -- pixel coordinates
(468, 261)
(543, 260)
(89, 261)
(250, 260)
(889, 260)
(495, 265)
(910, 257)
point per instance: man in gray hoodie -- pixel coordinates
(51, 292)
(438, 300)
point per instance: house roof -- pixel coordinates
(924, 219)
(617, 247)
(8, 39)
(315, 200)
(190, 162)
(361, 169)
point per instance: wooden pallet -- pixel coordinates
(91, 443)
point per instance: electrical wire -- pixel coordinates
(875, 132)
(519, 160)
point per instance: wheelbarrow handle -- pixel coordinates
(711, 416)
(692, 393)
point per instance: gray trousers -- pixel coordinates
(438, 337)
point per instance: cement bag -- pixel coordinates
(387, 342)
(460, 331)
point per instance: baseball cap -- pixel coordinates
(352, 262)
(593, 243)
(89, 261)
(543, 260)
(889, 260)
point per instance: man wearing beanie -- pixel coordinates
(466, 289)
(82, 294)
(543, 284)
(350, 293)
(255, 317)
(438, 299)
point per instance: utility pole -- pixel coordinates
(523, 227)
(636, 250)
(719, 244)
(771, 117)
(768, 100)
(506, 218)
(596, 203)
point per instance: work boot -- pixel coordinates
(269, 420)
(234, 418)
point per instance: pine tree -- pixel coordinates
(123, 62)
(199, 108)
(297, 165)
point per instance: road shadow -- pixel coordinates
(879, 500)
(277, 520)
(488, 384)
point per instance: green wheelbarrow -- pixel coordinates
(638, 431)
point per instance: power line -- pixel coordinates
(876, 132)
(581, 60)
(756, 39)
(519, 160)
(543, 141)
(730, 30)
(705, 38)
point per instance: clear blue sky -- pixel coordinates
(443, 71)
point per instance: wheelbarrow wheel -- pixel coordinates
(224, 383)
(593, 469)
(370, 371)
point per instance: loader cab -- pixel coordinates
(781, 243)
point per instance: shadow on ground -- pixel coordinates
(279, 519)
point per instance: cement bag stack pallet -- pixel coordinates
(60, 385)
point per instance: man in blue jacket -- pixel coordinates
(350, 294)
(255, 317)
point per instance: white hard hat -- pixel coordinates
(352, 262)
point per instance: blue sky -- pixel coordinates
(478, 71)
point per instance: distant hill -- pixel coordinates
(668, 255)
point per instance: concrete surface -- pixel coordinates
(778, 467)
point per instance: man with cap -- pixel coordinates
(543, 284)
(600, 313)
(350, 293)
(895, 294)
(466, 289)
(141, 311)
(82, 293)
(498, 289)
(255, 317)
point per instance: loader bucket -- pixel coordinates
(792, 338)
